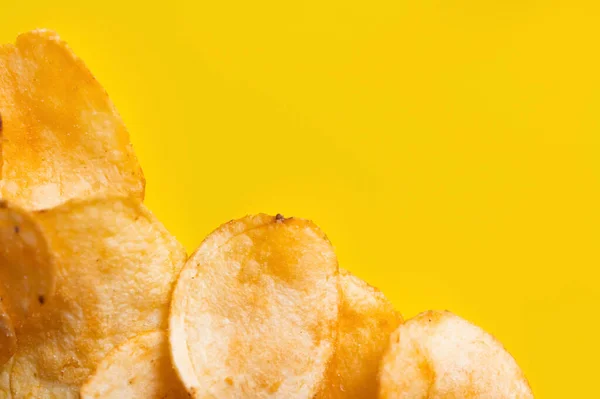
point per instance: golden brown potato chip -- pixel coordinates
(140, 368)
(62, 137)
(116, 267)
(367, 318)
(254, 312)
(27, 269)
(440, 355)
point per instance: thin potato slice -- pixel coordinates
(117, 265)
(440, 355)
(62, 138)
(140, 368)
(254, 312)
(367, 318)
(27, 269)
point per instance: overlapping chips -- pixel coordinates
(116, 268)
(440, 355)
(255, 310)
(90, 279)
(366, 321)
(61, 136)
(138, 369)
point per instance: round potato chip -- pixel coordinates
(62, 138)
(254, 312)
(27, 269)
(367, 318)
(140, 368)
(116, 267)
(440, 355)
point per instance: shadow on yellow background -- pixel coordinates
(450, 149)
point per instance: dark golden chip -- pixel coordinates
(62, 138)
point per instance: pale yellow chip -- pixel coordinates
(440, 355)
(62, 138)
(255, 310)
(367, 318)
(140, 368)
(116, 267)
(27, 269)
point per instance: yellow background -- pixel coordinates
(450, 149)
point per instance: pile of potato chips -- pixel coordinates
(99, 300)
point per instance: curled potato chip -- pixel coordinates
(62, 138)
(140, 368)
(255, 310)
(440, 355)
(116, 267)
(27, 270)
(367, 318)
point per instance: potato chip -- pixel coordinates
(27, 269)
(116, 267)
(254, 312)
(62, 137)
(367, 318)
(440, 355)
(140, 368)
